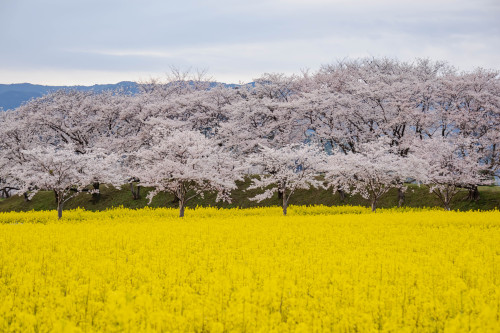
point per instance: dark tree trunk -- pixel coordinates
(374, 205)
(181, 208)
(341, 194)
(180, 195)
(136, 192)
(447, 202)
(26, 197)
(401, 197)
(56, 195)
(96, 195)
(60, 204)
(285, 202)
(445, 197)
(59, 211)
(473, 194)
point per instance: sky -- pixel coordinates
(69, 42)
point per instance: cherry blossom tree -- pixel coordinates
(276, 86)
(63, 171)
(177, 82)
(15, 138)
(8, 183)
(371, 172)
(468, 107)
(254, 122)
(187, 164)
(448, 165)
(63, 117)
(263, 115)
(84, 121)
(286, 169)
(344, 107)
(183, 102)
(359, 101)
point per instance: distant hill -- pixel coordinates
(13, 95)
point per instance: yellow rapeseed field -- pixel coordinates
(320, 269)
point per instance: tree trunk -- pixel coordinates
(135, 191)
(285, 202)
(56, 197)
(341, 194)
(132, 190)
(60, 205)
(401, 197)
(446, 201)
(26, 197)
(181, 208)
(374, 205)
(473, 194)
(59, 211)
(180, 194)
(96, 195)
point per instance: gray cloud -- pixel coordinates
(236, 40)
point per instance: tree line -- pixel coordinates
(362, 126)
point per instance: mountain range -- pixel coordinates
(13, 95)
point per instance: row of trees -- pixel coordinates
(361, 126)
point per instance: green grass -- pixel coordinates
(110, 197)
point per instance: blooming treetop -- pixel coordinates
(371, 172)
(285, 170)
(63, 171)
(187, 164)
(448, 165)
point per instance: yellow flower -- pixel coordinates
(320, 269)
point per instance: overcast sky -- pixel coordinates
(68, 42)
